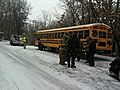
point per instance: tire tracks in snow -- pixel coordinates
(45, 75)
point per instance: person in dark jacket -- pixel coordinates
(115, 68)
(87, 50)
(92, 49)
(72, 46)
(79, 50)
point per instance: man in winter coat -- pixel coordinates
(72, 46)
(92, 49)
(87, 50)
(79, 50)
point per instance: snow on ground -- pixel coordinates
(82, 77)
(104, 57)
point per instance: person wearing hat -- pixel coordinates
(72, 46)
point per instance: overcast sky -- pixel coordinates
(38, 5)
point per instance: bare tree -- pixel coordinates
(72, 12)
(90, 11)
(13, 14)
(44, 19)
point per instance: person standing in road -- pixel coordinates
(25, 41)
(63, 53)
(92, 49)
(72, 46)
(87, 50)
(79, 49)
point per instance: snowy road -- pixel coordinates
(31, 69)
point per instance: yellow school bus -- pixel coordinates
(52, 38)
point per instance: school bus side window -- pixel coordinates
(52, 35)
(45, 35)
(62, 34)
(58, 35)
(94, 33)
(109, 35)
(75, 32)
(49, 35)
(39, 36)
(66, 33)
(42, 35)
(102, 34)
(55, 35)
(81, 34)
(70, 33)
(86, 33)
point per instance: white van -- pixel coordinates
(16, 40)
